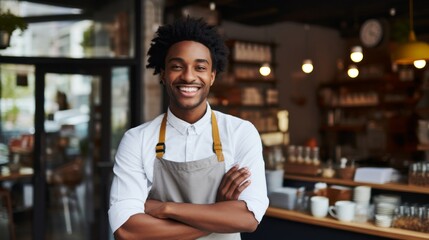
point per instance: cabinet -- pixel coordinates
(242, 91)
(367, 228)
(370, 119)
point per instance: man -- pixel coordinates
(191, 172)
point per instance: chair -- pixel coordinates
(6, 202)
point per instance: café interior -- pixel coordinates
(338, 90)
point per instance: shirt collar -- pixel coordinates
(182, 126)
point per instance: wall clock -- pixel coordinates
(371, 33)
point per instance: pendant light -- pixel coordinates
(353, 71)
(413, 50)
(307, 64)
(265, 69)
(356, 54)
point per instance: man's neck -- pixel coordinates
(190, 116)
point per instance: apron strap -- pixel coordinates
(160, 146)
(217, 146)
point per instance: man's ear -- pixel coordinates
(162, 77)
(213, 77)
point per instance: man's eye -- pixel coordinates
(201, 68)
(176, 67)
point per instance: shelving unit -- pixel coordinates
(370, 116)
(366, 228)
(242, 91)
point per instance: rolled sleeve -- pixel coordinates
(120, 212)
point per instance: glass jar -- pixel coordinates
(361, 212)
(412, 172)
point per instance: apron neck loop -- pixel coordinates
(217, 146)
(160, 146)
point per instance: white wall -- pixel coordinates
(325, 47)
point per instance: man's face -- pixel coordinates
(188, 75)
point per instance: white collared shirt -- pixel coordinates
(134, 160)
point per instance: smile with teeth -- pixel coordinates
(188, 89)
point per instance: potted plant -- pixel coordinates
(8, 23)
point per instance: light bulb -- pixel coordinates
(353, 71)
(265, 70)
(356, 54)
(419, 64)
(307, 66)
(212, 6)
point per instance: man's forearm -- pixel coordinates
(143, 226)
(221, 217)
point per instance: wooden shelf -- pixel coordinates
(6, 175)
(423, 147)
(345, 127)
(366, 228)
(401, 187)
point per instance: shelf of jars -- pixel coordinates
(366, 228)
(400, 187)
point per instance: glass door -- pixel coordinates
(82, 129)
(71, 143)
(59, 131)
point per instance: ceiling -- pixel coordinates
(343, 15)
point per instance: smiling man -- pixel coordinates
(192, 172)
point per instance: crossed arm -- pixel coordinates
(169, 220)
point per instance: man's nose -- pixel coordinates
(189, 74)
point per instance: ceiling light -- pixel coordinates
(212, 6)
(353, 72)
(419, 64)
(392, 12)
(356, 54)
(265, 69)
(407, 53)
(307, 66)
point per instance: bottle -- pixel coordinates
(307, 156)
(316, 160)
(299, 157)
(291, 154)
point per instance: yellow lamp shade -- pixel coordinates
(410, 51)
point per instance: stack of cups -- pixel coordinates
(362, 196)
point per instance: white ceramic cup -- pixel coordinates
(319, 206)
(274, 179)
(343, 211)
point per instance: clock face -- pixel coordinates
(371, 33)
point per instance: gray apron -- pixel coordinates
(189, 182)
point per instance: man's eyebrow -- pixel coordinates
(199, 60)
(176, 59)
(202, 61)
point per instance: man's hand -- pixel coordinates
(233, 183)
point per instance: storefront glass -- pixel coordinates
(68, 32)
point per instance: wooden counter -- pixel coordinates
(366, 228)
(6, 175)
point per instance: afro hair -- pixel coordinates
(187, 29)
